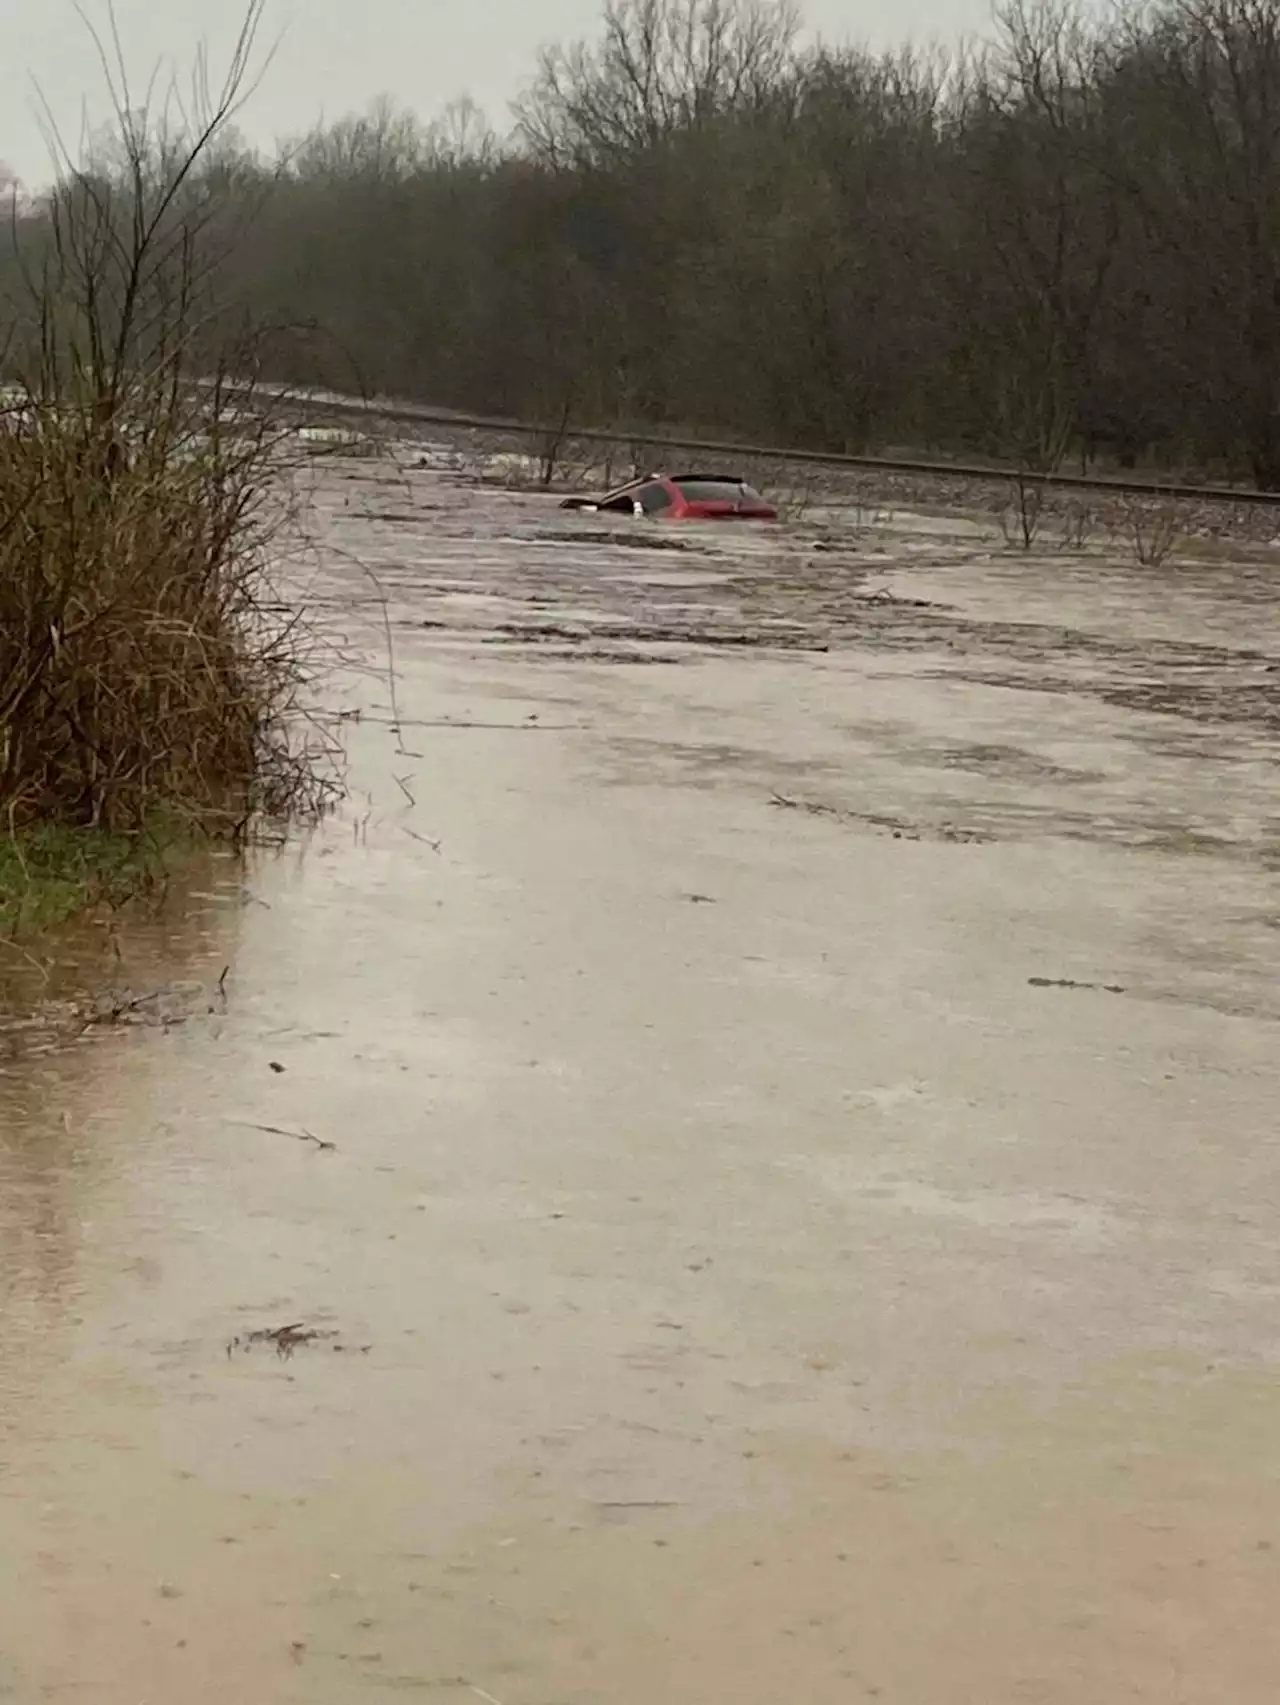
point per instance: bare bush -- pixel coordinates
(552, 439)
(1078, 521)
(792, 493)
(1023, 513)
(1032, 425)
(640, 458)
(1151, 530)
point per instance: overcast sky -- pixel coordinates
(336, 55)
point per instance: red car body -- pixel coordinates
(683, 497)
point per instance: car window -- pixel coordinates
(718, 491)
(654, 499)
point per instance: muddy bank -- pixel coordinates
(732, 1170)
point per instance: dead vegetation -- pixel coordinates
(1151, 531)
(900, 828)
(320, 1144)
(148, 679)
(1022, 514)
(66, 1020)
(286, 1339)
(1077, 524)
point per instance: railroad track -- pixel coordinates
(378, 409)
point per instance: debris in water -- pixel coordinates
(302, 1136)
(882, 595)
(285, 1338)
(1071, 983)
(164, 1007)
(637, 1504)
(425, 839)
(813, 807)
(898, 827)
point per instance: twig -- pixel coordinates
(815, 808)
(403, 785)
(384, 605)
(637, 1504)
(302, 1136)
(116, 1012)
(40, 968)
(481, 1694)
(425, 839)
(1071, 983)
(462, 722)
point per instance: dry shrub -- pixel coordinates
(141, 667)
(793, 488)
(1152, 529)
(1078, 521)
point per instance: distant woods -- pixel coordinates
(1058, 246)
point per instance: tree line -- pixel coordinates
(1060, 243)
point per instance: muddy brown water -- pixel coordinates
(800, 1039)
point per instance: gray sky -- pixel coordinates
(336, 55)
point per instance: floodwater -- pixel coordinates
(767, 1096)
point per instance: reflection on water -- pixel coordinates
(67, 1074)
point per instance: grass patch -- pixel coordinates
(50, 873)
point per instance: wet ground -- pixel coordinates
(742, 1166)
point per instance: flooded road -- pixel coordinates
(766, 1100)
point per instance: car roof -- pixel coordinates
(659, 478)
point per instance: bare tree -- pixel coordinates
(1065, 240)
(660, 66)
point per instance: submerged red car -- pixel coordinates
(683, 497)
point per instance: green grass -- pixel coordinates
(50, 874)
